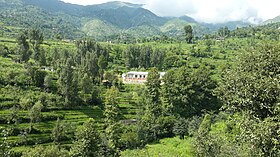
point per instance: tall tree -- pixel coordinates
(68, 83)
(36, 38)
(112, 110)
(188, 33)
(22, 41)
(153, 92)
(35, 114)
(88, 142)
(112, 116)
(188, 91)
(253, 85)
(102, 64)
(251, 90)
(86, 86)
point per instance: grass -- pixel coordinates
(169, 147)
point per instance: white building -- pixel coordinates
(135, 77)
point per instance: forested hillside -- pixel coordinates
(110, 21)
(219, 97)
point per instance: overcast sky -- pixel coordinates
(214, 11)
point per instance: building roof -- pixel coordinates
(137, 73)
(143, 73)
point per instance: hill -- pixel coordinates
(102, 21)
(274, 20)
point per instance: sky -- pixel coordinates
(210, 11)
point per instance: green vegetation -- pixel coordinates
(169, 147)
(112, 21)
(219, 96)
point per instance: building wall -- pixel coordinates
(137, 77)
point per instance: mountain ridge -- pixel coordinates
(273, 20)
(58, 17)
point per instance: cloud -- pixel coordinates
(171, 7)
(213, 11)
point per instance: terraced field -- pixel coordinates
(41, 131)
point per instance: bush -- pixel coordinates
(193, 125)
(129, 138)
(181, 127)
(49, 151)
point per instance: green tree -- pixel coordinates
(112, 116)
(223, 31)
(189, 91)
(36, 38)
(253, 85)
(153, 92)
(88, 142)
(5, 147)
(112, 109)
(49, 151)
(35, 114)
(86, 87)
(102, 64)
(58, 132)
(68, 83)
(48, 84)
(157, 58)
(22, 41)
(252, 88)
(188, 33)
(205, 144)
(37, 75)
(181, 128)
(14, 115)
(91, 65)
(154, 123)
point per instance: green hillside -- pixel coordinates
(97, 28)
(71, 83)
(70, 21)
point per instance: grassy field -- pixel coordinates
(169, 147)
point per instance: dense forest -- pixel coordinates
(220, 96)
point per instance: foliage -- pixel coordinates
(37, 77)
(205, 144)
(35, 112)
(61, 131)
(68, 84)
(188, 33)
(181, 128)
(253, 86)
(87, 141)
(112, 116)
(144, 57)
(189, 92)
(166, 147)
(112, 110)
(5, 148)
(49, 151)
(153, 93)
